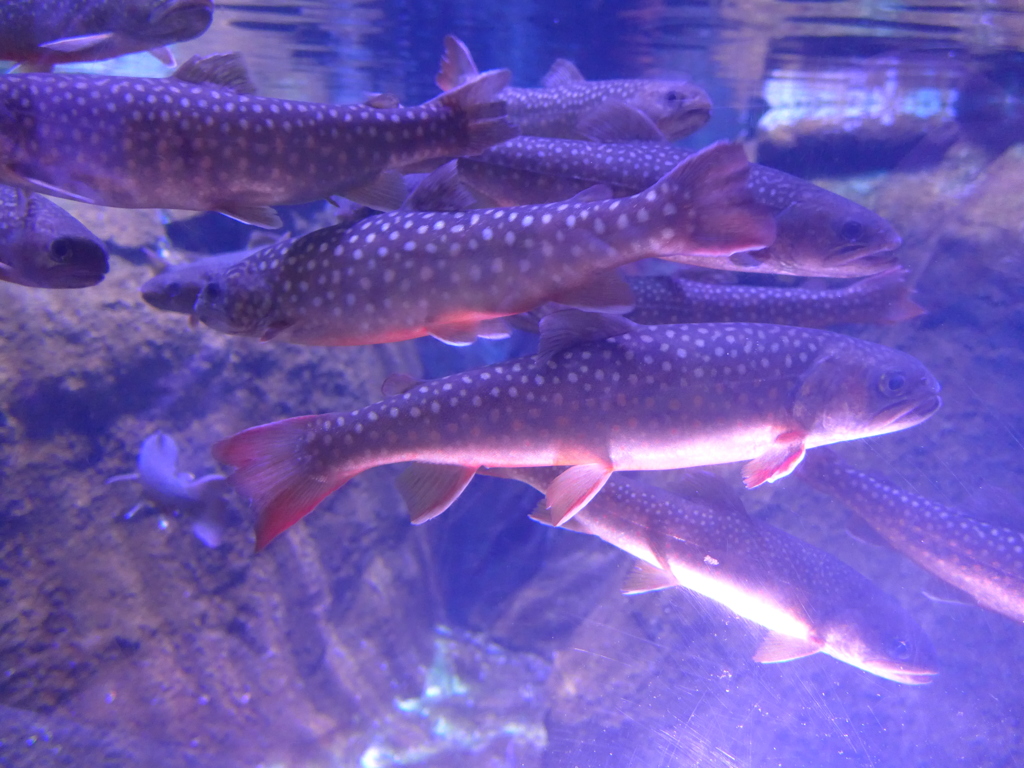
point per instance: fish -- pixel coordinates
(171, 490)
(883, 298)
(456, 275)
(701, 538)
(983, 561)
(602, 394)
(41, 33)
(820, 233)
(177, 287)
(567, 105)
(44, 246)
(199, 140)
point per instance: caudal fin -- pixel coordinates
(484, 111)
(272, 468)
(708, 206)
(457, 65)
(890, 293)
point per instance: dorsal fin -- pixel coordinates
(397, 384)
(224, 69)
(594, 194)
(457, 65)
(647, 578)
(561, 330)
(562, 72)
(382, 101)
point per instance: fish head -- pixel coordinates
(879, 636)
(168, 21)
(831, 237)
(854, 389)
(172, 291)
(46, 247)
(676, 107)
(239, 302)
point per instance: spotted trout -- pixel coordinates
(663, 299)
(819, 233)
(567, 105)
(44, 246)
(455, 275)
(702, 539)
(41, 33)
(199, 140)
(984, 561)
(603, 394)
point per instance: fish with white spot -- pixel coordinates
(820, 233)
(199, 140)
(700, 537)
(985, 561)
(44, 246)
(41, 33)
(664, 299)
(603, 394)
(456, 275)
(567, 105)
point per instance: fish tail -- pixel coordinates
(484, 112)
(272, 468)
(719, 214)
(893, 294)
(457, 65)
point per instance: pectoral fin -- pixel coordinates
(615, 121)
(429, 489)
(572, 490)
(47, 189)
(776, 647)
(385, 193)
(563, 330)
(76, 44)
(398, 383)
(163, 55)
(257, 215)
(647, 578)
(777, 462)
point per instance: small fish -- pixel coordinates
(702, 539)
(819, 233)
(169, 490)
(41, 33)
(44, 246)
(985, 561)
(455, 275)
(198, 140)
(663, 299)
(570, 106)
(603, 394)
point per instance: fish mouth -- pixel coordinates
(861, 260)
(908, 413)
(907, 676)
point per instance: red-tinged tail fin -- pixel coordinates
(272, 469)
(892, 291)
(479, 100)
(707, 207)
(457, 65)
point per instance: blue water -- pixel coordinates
(482, 638)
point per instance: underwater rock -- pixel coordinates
(135, 626)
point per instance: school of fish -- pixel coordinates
(545, 209)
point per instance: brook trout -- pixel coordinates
(603, 394)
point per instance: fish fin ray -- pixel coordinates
(79, 43)
(893, 285)
(429, 489)
(572, 490)
(777, 647)
(269, 470)
(457, 65)
(939, 591)
(606, 292)
(163, 55)
(645, 577)
(455, 334)
(484, 111)
(562, 72)
(387, 192)
(594, 194)
(616, 121)
(274, 330)
(121, 478)
(227, 70)
(38, 185)
(258, 215)
(382, 101)
(441, 190)
(722, 216)
(704, 487)
(774, 464)
(563, 330)
(858, 529)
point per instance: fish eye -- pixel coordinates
(892, 383)
(60, 251)
(672, 96)
(851, 231)
(899, 650)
